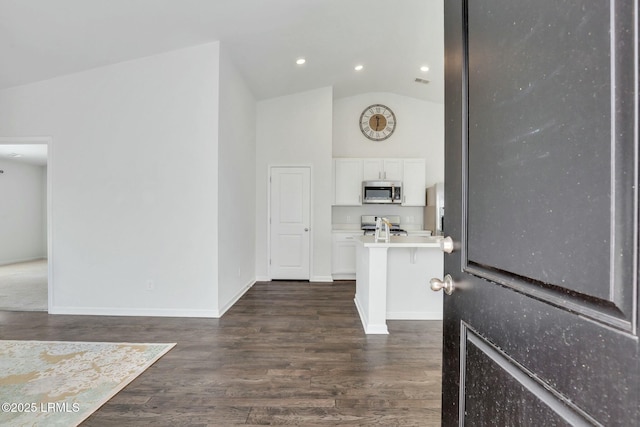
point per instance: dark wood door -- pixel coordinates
(541, 201)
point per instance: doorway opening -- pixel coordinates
(25, 243)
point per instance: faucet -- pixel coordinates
(382, 230)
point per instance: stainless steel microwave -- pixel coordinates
(382, 192)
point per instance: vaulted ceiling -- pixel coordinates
(392, 39)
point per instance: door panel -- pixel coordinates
(517, 396)
(541, 193)
(291, 192)
(554, 118)
(290, 219)
(290, 250)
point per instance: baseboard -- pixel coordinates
(321, 279)
(236, 297)
(369, 329)
(327, 279)
(363, 317)
(143, 312)
(414, 315)
(344, 277)
(152, 312)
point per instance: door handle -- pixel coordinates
(447, 245)
(306, 229)
(448, 284)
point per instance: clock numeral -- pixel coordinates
(367, 129)
(378, 109)
(388, 129)
(371, 111)
(391, 122)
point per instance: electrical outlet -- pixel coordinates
(150, 285)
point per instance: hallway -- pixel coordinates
(23, 286)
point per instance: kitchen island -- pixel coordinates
(392, 280)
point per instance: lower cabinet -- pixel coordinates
(343, 265)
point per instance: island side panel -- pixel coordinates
(371, 285)
(362, 283)
(408, 294)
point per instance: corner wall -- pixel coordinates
(134, 182)
(236, 185)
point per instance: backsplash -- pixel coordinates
(411, 218)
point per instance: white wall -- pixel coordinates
(296, 130)
(22, 209)
(419, 131)
(134, 165)
(236, 185)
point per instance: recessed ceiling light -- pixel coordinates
(424, 68)
(358, 67)
(300, 61)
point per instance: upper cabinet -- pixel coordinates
(382, 169)
(414, 182)
(348, 174)
(347, 182)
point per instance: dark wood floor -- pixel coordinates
(287, 353)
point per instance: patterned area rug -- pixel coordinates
(55, 383)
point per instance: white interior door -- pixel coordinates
(290, 222)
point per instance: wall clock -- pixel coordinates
(377, 122)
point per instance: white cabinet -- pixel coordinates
(349, 173)
(343, 262)
(414, 182)
(347, 182)
(386, 169)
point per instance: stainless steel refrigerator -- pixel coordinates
(434, 211)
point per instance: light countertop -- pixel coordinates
(355, 229)
(402, 242)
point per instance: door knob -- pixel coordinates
(447, 245)
(447, 284)
(306, 229)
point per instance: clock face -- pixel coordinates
(377, 122)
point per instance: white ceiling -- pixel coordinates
(41, 39)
